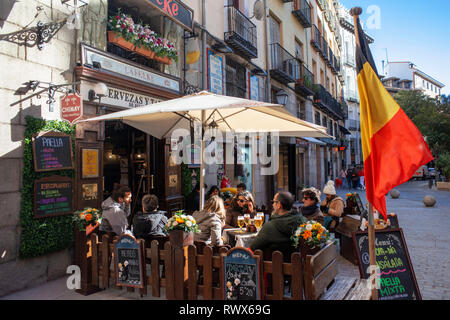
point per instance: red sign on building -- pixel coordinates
(71, 107)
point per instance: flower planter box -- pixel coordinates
(118, 40)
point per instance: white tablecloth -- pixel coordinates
(242, 240)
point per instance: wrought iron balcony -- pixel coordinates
(330, 57)
(302, 11)
(241, 33)
(344, 107)
(316, 38)
(324, 52)
(305, 82)
(284, 67)
(324, 100)
(353, 125)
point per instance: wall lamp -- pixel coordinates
(100, 90)
(282, 97)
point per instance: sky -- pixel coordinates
(410, 30)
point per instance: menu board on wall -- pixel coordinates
(52, 151)
(215, 73)
(241, 275)
(53, 196)
(397, 279)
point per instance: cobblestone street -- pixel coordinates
(427, 236)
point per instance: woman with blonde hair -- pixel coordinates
(210, 221)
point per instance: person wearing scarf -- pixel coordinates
(311, 210)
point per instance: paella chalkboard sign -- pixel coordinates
(52, 151)
(241, 275)
(129, 262)
(53, 196)
(397, 279)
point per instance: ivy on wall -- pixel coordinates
(44, 235)
(186, 179)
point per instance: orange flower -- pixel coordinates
(179, 220)
(307, 234)
(88, 217)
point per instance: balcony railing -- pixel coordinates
(305, 82)
(302, 11)
(316, 38)
(353, 125)
(284, 67)
(241, 34)
(351, 95)
(325, 100)
(324, 52)
(330, 57)
(234, 90)
(344, 107)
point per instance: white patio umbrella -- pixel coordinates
(227, 113)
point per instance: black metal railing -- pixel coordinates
(302, 11)
(316, 38)
(325, 100)
(284, 66)
(241, 34)
(344, 107)
(330, 57)
(305, 81)
(324, 52)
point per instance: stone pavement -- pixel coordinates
(425, 231)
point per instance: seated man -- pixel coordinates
(150, 222)
(115, 211)
(276, 233)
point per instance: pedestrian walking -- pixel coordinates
(361, 178)
(343, 175)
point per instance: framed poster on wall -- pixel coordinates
(215, 72)
(89, 163)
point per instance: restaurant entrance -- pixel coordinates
(127, 161)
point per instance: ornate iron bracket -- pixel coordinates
(36, 36)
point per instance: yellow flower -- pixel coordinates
(319, 236)
(179, 220)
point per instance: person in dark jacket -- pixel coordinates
(311, 210)
(150, 222)
(276, 233)
(193, 199)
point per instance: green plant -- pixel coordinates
(44, 235)
(443, 163)
(312, 233)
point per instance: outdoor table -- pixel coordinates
(235, 238)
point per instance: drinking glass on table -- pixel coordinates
(240, 222)
(247, 219)
(258, 222)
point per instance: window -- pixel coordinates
(428, 85)
(299, 49)
(317, 119)
(423, 83)
(314, 70)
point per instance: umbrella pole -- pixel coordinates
(202, 163)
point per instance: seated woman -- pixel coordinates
(213, 191)
(241, 204)
(150, 222)
(311, 201)
(210, 221)
(332, 206)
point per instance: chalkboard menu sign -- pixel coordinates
(52, 151)
(53, 197)
(129, 262)
(397, 279)
(241, 275)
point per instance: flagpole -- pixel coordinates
(355, 12)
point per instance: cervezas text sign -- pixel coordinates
(176, 10)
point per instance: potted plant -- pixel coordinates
(127, 34)
(86, 218)
(181, 229)
(311, 237)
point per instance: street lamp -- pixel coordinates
(282, 97)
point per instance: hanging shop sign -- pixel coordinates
(71, 107)
(215, 72)
(176, 10)
(121, 67)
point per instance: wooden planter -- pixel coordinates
(118, 40)
(181, 239)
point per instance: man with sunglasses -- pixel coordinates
(276, 233)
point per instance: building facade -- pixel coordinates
(289, 53)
